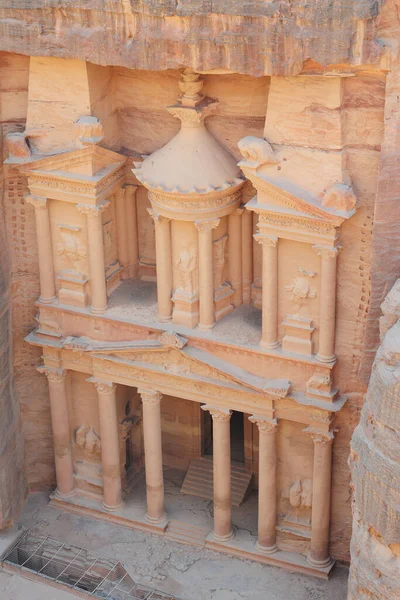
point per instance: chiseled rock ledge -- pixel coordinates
(253, 37)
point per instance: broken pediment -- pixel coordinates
(278, 194)
(91, 161)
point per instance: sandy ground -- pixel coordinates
(188, 572)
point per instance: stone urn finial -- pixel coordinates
(190, 84)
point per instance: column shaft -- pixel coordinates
(122, 228)
(153, 455)
(321, 502)
(163, 266)
(221, 473)
(206, 282)
(98, 285)
(326, 351)
(110, 456)
(266, 484)
(235, 255)
(45, 250)
(247, 255)
(269, 336)
(132, 226)
(61, 431)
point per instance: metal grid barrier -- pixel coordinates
(78, 569)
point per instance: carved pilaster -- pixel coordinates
(206, 279)
(269, 336)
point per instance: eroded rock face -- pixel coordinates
(375, 466)
(254, 37)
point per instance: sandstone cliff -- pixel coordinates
(375, 466)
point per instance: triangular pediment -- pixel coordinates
(171, 354)
(92, 162)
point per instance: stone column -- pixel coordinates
(61, 431)
(247, 255)
(45, 250)
(206, 282)
(121, 218)
(221, 472)
(153, 455)
(96, 255)
(163, 266)
(109, 434)
(267, 460)
(269, 336)
(321, 500)
(327, 304)
(132, 226)
(235, 254)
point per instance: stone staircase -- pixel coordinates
(199, 480)
(185, 533)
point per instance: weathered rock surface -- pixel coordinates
(375, 466)
(255, 37)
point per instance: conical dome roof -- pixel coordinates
(193, 162)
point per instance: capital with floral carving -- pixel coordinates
(54, 374)
(266, 240)
(157, 218)
(102, 386)
(150, 397)
(322, 438)
(327, 251)
(264, 424)
(39, 202)
(92, 211)
(222, 415)
(206, 225)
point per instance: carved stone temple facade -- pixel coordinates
(198, 236)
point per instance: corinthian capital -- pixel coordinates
(327, 251)
(320, 437)
(266, 240)
(264, 424)
(92, 211)
(150, 397)
(102, 386)
(157, 218)
(207, 225)
(52, 373)
(39, 202)
(218, 414)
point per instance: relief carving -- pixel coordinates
(71, 247)
(300, 494)
(298, 498)
(187, 264)
(220, 261)
(340, 197)
(300, 290)
(87, 439)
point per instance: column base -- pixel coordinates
(98, 311)
(325, 359)
(266, 549)
(223, 538)
(109, 508)
(205, 327)
(327, 562)
(57, 494)
(47, 300)
(269, 345)
(164, 319)
(157, 520)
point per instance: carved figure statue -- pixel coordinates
(256, 151)
(219, 261)
(87, 439)
(71, 248)
(186, 264)
(340, 197)
(300, 494)
(300, 290)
